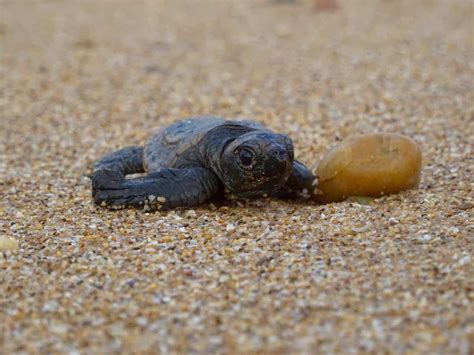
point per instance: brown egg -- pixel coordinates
(368, 165)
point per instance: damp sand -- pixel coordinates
(79, 79)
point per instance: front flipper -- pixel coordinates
(163, 189)
(300, 182)
(126, 161)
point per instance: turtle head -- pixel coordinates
(256, 163)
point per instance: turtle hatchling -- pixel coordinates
(199, 159)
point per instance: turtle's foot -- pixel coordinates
(163, 189)
(300, 184)
(106, 179)
(110, 189)
(126, 197)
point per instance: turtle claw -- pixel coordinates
(160, 190)
(107, 179)
(110, 189)
(111, 200)
(101, 198)
(107, 186)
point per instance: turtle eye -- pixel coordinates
(246, 157)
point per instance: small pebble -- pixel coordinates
(191, 214)
(368, 165)
(8, 243)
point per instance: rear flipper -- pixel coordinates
(299, 184)
(163, 189)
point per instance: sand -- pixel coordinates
(79, 79)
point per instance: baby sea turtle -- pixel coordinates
(197, 159)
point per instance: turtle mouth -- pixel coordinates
(256, 193)
(261, 187)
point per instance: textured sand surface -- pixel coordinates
(79, 79)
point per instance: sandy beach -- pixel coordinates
(79, 79)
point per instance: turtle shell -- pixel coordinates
(168, 144)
